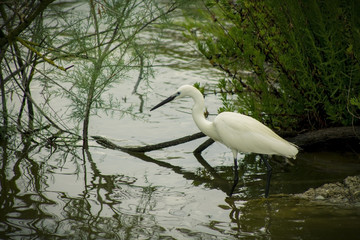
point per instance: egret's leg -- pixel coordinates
(236, 177)
(236, 172)
(268, 177)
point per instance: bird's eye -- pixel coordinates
(178, 93)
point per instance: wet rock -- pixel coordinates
(347, 191)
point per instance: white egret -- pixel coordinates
(238, 132)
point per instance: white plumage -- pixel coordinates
(239, 132)
(248, 135)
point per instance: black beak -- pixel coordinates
(169, 99)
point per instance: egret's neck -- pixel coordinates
(198, 115)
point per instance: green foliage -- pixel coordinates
(102, 58)
(200, 88)
(292, 64)
(77, 53)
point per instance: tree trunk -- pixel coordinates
(327, 135)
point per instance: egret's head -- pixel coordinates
(181, 92)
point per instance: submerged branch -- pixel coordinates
(203, 146)
(303, 140)
(108, 144)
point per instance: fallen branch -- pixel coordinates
(203, 146)
(108, 144)
(302, 140)
(308, 139)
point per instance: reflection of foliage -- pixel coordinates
(29, 206)
(98, 212)
(23, 196)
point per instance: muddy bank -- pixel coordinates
(346, 192)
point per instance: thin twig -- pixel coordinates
(141, 71)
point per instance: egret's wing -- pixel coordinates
(246, 134)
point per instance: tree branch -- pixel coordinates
(108, 144)
(303, 140)
(25, 23)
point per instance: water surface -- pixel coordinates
(169, 193)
